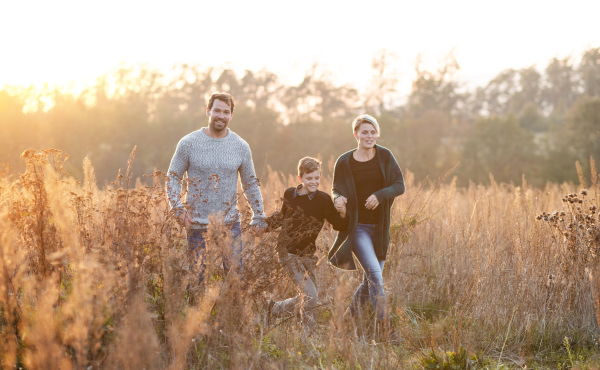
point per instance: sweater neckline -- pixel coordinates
(227, 137)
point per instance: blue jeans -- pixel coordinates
(197, 244)
(372, 285)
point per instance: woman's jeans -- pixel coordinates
(197, 243)
(372, 285)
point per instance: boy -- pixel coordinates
(303, 213)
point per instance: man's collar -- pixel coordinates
(297, 193)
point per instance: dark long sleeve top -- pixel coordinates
(368, 179)
(301, 219)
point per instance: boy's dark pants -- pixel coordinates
(302, 272)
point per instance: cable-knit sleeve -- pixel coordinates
(251, 188)
(179, 165)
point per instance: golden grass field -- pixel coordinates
(94, 277)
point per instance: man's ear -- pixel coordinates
(207, 112)
(299, 178)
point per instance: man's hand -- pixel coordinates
(372, 202)
(186, 219)
(257, 230)
(340, 204)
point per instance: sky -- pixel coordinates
(70, 43)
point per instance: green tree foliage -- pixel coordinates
(498, 146)
(524, 121)
(590, 72)
(562, 84)
(435, 90)
(510, 92)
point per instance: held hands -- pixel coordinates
(340, 205)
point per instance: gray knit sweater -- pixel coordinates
(212, 167)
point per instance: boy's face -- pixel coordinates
(311, 181)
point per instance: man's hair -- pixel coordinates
(365, 118)
(308, 165)
(224, 97)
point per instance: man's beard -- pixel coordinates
(213, 124)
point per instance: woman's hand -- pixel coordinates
(372, 202)
(342, 210)
(340, 203)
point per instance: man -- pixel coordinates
(212, 157)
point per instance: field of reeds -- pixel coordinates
(486, 277)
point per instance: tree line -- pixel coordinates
(532, 121)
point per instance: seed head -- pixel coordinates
(597, 238)
(583, 192)
(563, 213)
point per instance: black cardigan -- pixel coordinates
(340, 254)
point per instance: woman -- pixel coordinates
(366, 180)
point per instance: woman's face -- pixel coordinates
(366, 135)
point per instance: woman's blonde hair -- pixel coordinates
(365, 118)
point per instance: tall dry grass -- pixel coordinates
(96, 278)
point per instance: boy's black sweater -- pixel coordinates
(301, 219)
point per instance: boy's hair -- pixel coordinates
(308, 165)
(224, 97)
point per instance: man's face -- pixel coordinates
(219, 115)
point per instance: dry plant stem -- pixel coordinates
(97, 278)
(507, 332)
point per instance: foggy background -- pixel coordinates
(535, 121)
